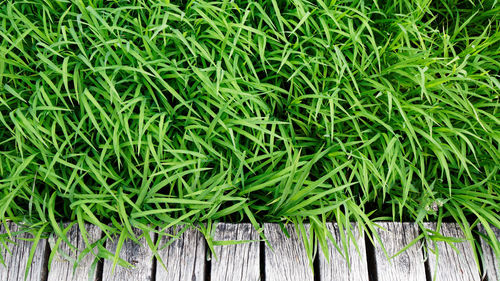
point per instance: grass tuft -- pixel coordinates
(152, 114)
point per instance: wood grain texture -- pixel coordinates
(236, 262)
(452, 265)
(184, 258)
(288, 261)
(62, 267)
(338, 268)
(407, 266)
(139, 255)
(491, 263)
(16, 261)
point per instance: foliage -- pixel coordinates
(151, 114)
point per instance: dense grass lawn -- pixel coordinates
(151, 114)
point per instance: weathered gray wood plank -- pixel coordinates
(450, 265)
(236, 262)
(184, 258)
(16, 261)
(491, 266)
(407, 266)
(338, 267)
(140, 256)
(288, 261)
(62, 267)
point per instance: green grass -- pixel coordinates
(151, 114)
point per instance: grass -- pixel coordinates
(152, 114)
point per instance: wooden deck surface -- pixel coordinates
(187, 259)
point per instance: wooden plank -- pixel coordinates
(236, 262)
(62, 267)
(451, 265)
(288, 261)
(184, 258)
(491, 263)
(338, 267)
(17, 260)
(407, 266)
(139, 255)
